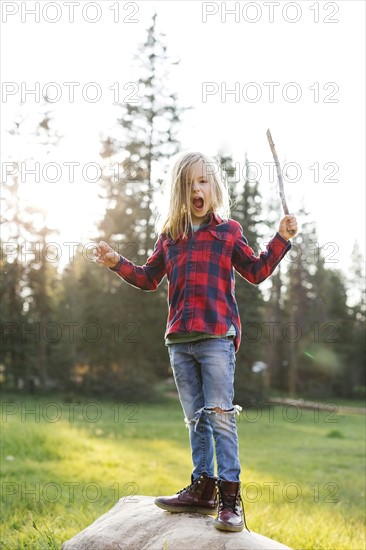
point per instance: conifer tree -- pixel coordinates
(140, 146)
(13, 314)
(246, 209)
(138, 149)
(27, 300)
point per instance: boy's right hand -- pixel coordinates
(105, 255)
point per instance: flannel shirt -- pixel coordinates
(200, 273)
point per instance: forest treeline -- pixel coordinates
(84, 330)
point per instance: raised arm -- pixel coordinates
(146, 277)
(256, 269)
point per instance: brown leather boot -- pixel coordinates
(200, 496)
(231, 508)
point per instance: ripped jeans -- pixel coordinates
(204, 376)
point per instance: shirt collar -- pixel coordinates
(214, 219)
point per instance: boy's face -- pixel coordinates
(200, 192)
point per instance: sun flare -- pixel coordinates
(69, 210)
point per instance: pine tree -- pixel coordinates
(275, 374)
(42, 276)
(138, 149)
(246, 210)
(297, 304)
(28, 294)
(318, 335)
(12, 280)
(16, 226)
(273, 314)
(357, 353)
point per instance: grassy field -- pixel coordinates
(64, 464)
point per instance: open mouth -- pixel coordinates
(198, 203)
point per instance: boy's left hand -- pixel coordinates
(288, 227)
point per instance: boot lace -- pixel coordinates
(233, 502)
(188, 488)
(193, 485)
(185, 489)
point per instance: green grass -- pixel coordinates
(303, 480)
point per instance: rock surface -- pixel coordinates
(135, 523)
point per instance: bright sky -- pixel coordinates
(297, 68)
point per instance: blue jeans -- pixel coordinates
(204, 376)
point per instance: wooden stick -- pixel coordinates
(279, 173)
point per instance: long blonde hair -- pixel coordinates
(178, 220)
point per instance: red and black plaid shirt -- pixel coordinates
(200, 273)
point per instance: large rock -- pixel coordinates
(135, 523)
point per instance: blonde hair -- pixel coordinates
(178, 219)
